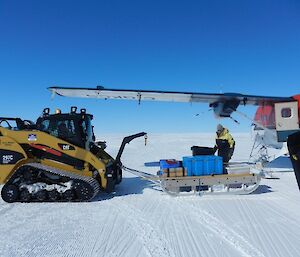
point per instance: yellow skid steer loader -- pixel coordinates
(56, 159)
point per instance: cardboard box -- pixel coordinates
(174, 172)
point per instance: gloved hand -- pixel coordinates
(230, 153)
(215, 149)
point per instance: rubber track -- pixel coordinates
(93, 184)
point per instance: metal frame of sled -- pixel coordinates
(238, 184)
(214, 184)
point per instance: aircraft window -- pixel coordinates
(286, 113)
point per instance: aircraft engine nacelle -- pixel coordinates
(224, 109)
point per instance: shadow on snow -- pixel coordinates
(128, 186)
(136, 185)
(262, 189)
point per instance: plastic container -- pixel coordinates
(238, 169)
(170, 163)
(201, 150)
(203, 165)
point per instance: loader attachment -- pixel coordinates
(114, 170)
(125, 141)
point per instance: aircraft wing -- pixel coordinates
(170, 96)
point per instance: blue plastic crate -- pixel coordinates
(203, 165)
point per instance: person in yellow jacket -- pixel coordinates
(224, 144)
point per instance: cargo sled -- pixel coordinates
(204, 174)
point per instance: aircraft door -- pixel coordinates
(287, 121)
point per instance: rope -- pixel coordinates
(143, 175)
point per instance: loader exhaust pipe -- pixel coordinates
(293, 144)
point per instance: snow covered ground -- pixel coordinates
(140, 220)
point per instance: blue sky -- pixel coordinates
(249, 47)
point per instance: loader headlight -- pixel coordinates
(46, 111)
(73, 109)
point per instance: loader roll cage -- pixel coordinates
(20, 124)
(74, 128)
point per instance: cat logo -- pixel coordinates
(66, 147)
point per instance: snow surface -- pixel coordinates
(140, 220)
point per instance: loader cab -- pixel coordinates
(75, 128)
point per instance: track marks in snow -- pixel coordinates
(148, 235)
(222, 231)
(254, 227)
(4, 207)
(265, 228)
(112, 238)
